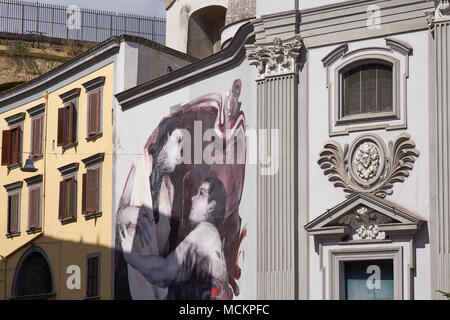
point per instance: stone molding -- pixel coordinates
(275, 59)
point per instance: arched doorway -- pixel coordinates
(204, 31)
(33, 278)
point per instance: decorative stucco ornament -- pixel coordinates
(279, 58)
(364, 223)
(440, 13)
(367, 161)
(368, 166)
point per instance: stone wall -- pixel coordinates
(23, 58)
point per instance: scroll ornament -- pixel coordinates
(277, 59)
(365, 167)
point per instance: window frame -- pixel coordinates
(13, 193)
(41, 138)
(68, 172)
(90, 135)
(366, 117)
(31, 189)
(63, 218)
(359, 65)
(93, 86)
(337, 258)
(35, 113)
(96, 255)
(94, 162)
(71, 139)
(10, 164)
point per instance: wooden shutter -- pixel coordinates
(6, 148)
(83, 196)
(36, 145)
(61, 200)
(15, 145)
(92, 186)
(34, 208)
(13, 214)
(61, 126)
(73, 197)
(72, 134)
(94, 113)
(92, 287)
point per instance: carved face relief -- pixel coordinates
(367, 161)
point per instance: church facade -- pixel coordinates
(326, 122)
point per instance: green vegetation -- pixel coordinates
(21, 47)
(445, 294)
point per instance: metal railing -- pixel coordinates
(76, 24)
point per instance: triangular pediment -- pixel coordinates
(364, 216)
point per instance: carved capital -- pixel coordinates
(278, 58)
(441, 12)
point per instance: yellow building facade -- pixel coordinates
(66, 244)
(56, 221)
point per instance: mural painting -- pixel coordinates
(178, 229)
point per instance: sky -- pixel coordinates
(141, 7)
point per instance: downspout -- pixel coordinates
(4, 260)
(45, 96)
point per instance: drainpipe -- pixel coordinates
(4, 260)
(45, 96)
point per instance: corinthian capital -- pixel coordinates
(440, 13)
(278, 58)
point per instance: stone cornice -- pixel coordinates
(67, 169)
(70, 95)
(277, 58)
(34, 179)
(37, 110)
(16, 118)
(96, 158)
(13, 186)
(94, 83)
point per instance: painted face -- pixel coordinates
(171, 151)
(200, 207)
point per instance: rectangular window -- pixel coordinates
(91, 183)
(67, 198)
(11, 146)
(34, 207)
(13, 213)
(67, 124)
(94, 113)
(93, 278)
(36, 136)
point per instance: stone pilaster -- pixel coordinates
(439, 21)
(277, 220)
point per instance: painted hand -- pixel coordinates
(126, 239)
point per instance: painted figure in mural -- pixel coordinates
(197, 264)
(158, 180)
(152, 190)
